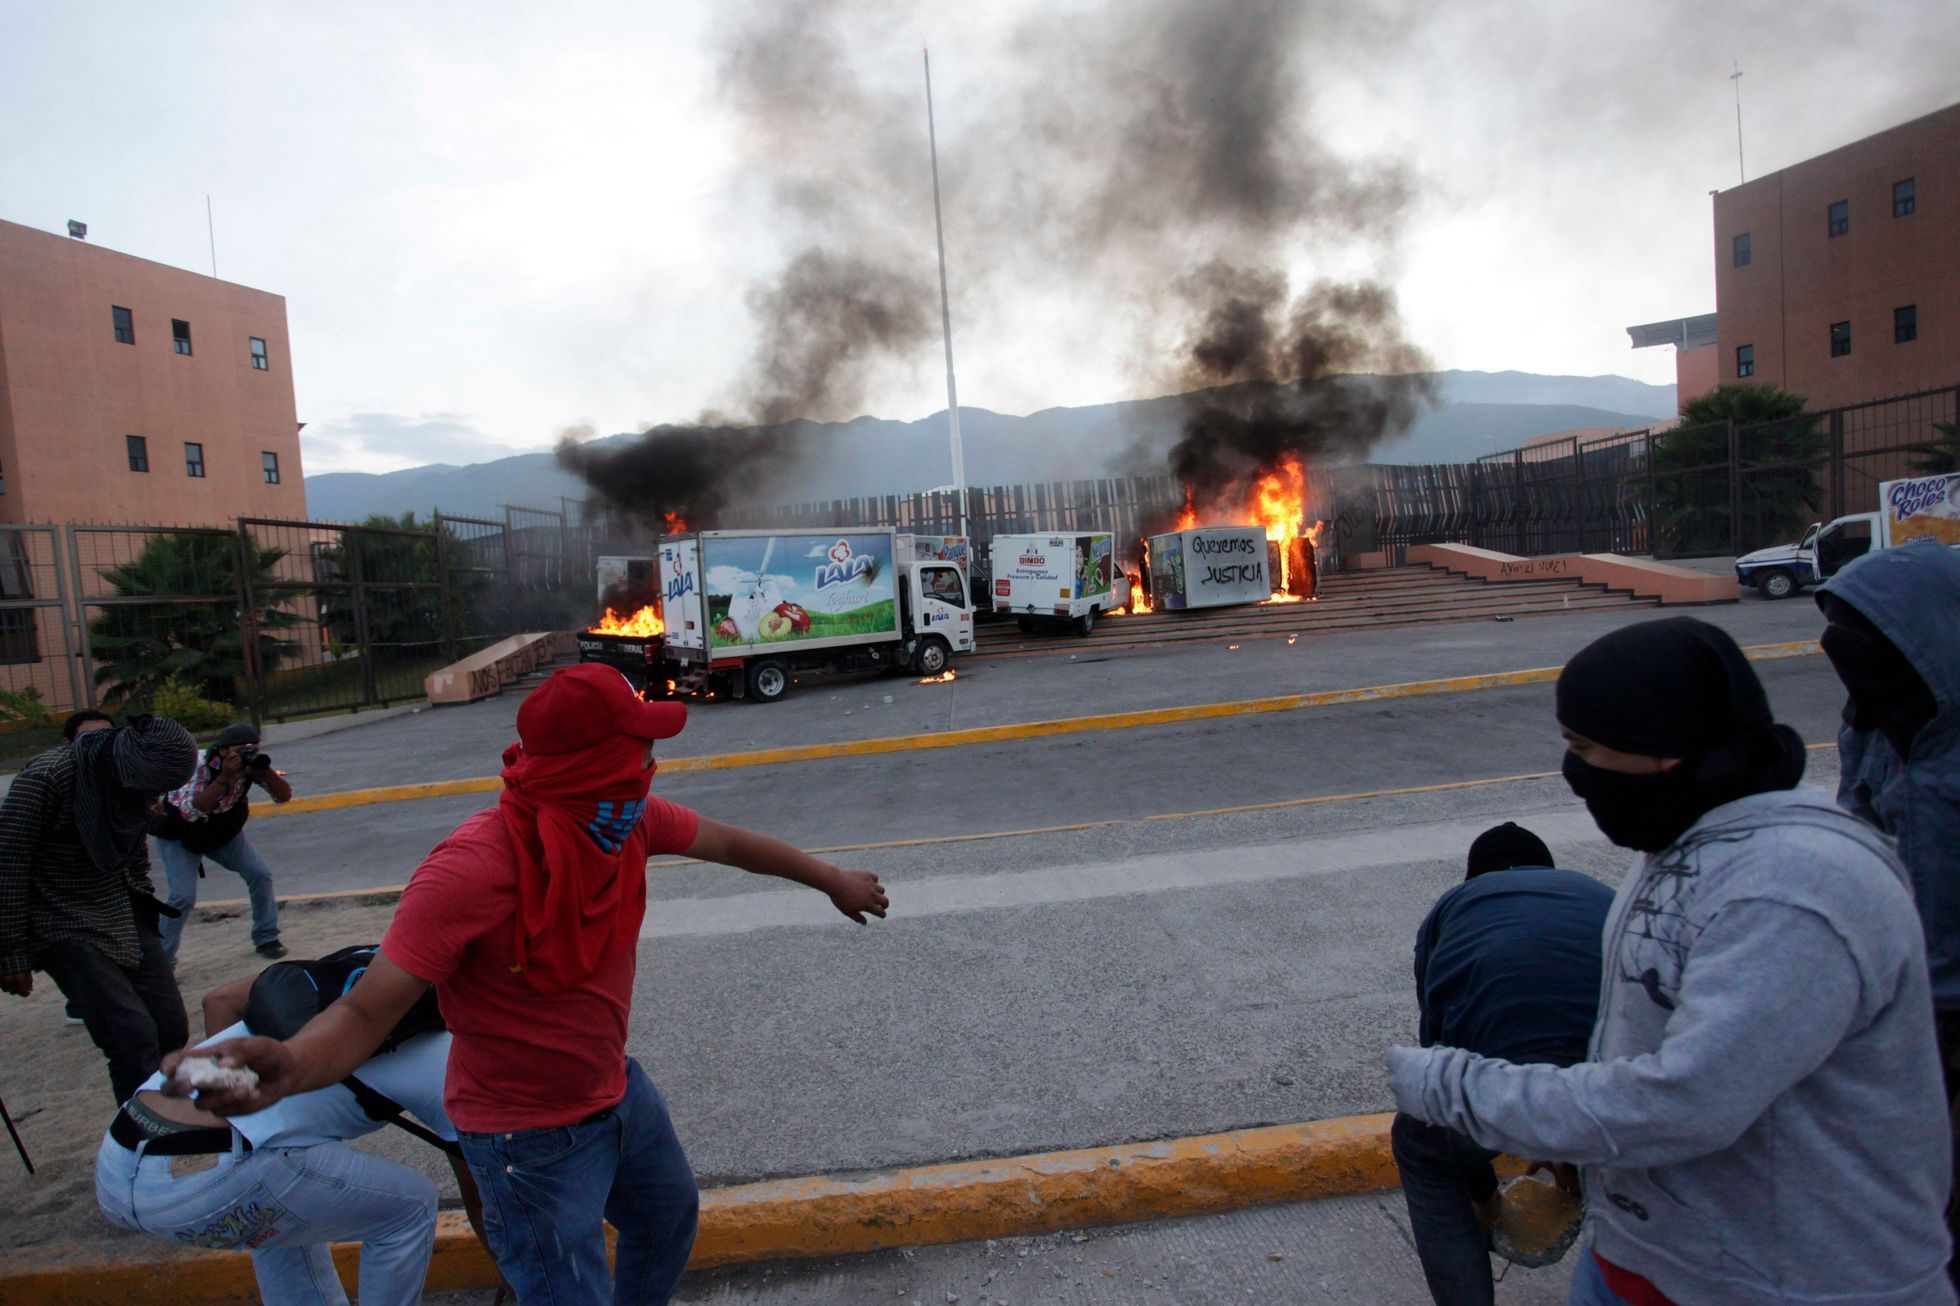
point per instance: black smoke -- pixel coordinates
(1157, 159)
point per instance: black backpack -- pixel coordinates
(287, 994)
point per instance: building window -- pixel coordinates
(1745, 360)
(138, 450)
(194, 460)
(1905, 324)
(18, 641)
(125, 324)
(180, 335)
(258, 354)
(1904, 200)
(269, 461)
(1740, 246)
(1840, 339)
(1840, 218)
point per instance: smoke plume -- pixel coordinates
(1155, 158)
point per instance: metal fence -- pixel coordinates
(1719, 489)
(272, 619)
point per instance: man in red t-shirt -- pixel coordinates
(527, 920)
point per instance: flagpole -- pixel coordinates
(946, 315)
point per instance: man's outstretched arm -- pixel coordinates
(855, 893)
(331, 1047)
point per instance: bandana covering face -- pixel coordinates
(118, 774)
(570, 816)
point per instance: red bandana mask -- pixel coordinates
(570, 817)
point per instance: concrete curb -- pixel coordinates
(789, 1219)
(1002, 733)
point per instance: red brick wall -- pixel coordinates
(1800, 280)
(70, 392)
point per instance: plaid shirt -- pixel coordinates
(184, 797)
(50, 889)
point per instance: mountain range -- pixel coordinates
(1474, 413)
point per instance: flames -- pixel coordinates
(1277, 501)
(674, 522)
(643, 623)
(1188, 518)
(939, 679)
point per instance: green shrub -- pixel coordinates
(189, 709)
(24, 708)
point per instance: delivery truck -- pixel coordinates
(1210, 567)
(1060, 581)
(1907, 509)
(747, 610)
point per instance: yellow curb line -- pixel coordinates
(1003, 733)
(822, 1216)
(1029, 832)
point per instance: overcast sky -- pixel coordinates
(492, 222)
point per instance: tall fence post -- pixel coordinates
(89, 699)
(248, 624)
(446, 595)
(1735, 488)
(356, 570)
(1837, 463)
(1653, 501)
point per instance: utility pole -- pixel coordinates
(946, 319)
(1736, 78)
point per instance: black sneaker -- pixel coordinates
(274, 950)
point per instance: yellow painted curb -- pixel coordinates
(1004, 733)
(796, 1218)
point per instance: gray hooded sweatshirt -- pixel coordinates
(1912, 594)
(1755, 1119)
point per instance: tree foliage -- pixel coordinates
(409, 601)
(1778, 450)
(193, 632)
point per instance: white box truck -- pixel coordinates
(748, 609)
(1060, 580)
(1210, 567)
(1907, 509)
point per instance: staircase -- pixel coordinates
(1359, 600)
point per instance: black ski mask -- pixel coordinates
(1887, 693)
(1672, 688)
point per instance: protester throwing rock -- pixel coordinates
(527, 920)
(1752, 1121)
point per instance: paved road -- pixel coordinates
(1121, 774)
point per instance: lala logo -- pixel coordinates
(844, 566)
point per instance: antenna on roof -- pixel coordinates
(1736, 78)
(212, 229)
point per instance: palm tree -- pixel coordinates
(1778, 453)
(192, 631)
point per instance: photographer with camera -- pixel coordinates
(206, 819)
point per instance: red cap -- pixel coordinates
(588, 703)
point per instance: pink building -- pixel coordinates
(1838, 278)
(133, 392)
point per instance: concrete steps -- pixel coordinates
(1399, 596)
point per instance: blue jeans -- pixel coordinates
(548, 1193)
(180, 867)
(1588, 1284)
(286, 1205)
(1443, 1173)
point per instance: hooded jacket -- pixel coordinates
(1753, 1121)
(1912, 594)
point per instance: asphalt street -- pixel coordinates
(1145, 965)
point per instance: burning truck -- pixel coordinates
(741, 612)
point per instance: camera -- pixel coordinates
(258, 763)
